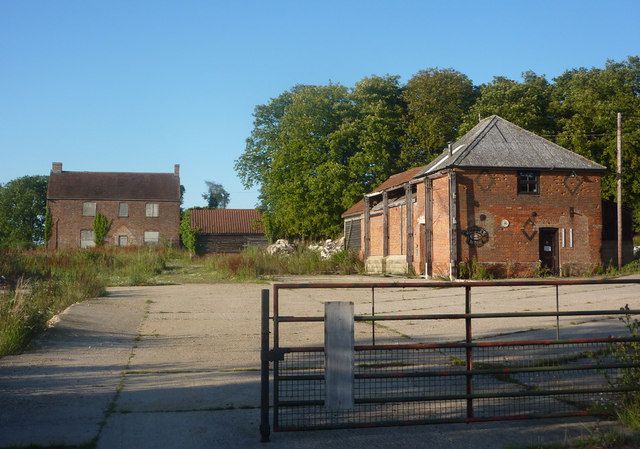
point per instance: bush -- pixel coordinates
(473, 270)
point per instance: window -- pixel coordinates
(153, 210)
(151, 237)
(86, 238)
(528, 182)
(123, 240)
(89, 209)
(123, 210)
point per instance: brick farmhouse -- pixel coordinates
(502, 196)
(144, 207)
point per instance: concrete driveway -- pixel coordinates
(177, 367)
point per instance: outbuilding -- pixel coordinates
(227, 230)
(502, 196)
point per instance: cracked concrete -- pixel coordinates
(176, 366)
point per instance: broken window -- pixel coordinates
(528, 182)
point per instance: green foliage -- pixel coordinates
(101, 227)
(188, 234)
(437, 100)
(42, 284)
(524, 103)
(22, 211)
(314, 150)
(216, 195)
(48, 225)
(473, 270)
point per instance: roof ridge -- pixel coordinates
(490, 123)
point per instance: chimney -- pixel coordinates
(176, 169)
(450, 149)
(56, 167)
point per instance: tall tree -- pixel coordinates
(22, 211)
(524, 103)
(216, 195)
(437, 100)
(585, 102)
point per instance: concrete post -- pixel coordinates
(338, 352)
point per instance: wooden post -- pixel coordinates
(409, 206)
(366, 228)
(338, 352)
(453, 226)
(428, 225)
(385, 224)
(619, 187)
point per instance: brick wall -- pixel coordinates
(68, 221)
(440, 249)
(485, 199)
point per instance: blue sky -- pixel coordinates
(141, 85)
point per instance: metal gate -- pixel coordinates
(469, 380)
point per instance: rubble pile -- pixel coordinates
(328, 248)
(281, 246)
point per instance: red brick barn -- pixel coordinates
(144, 207)
(501, 195)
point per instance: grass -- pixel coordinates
(41, 284)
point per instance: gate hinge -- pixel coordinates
(275, 355)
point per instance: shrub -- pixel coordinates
(101, 227)
(188, 234)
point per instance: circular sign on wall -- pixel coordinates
(504, 223)
(476, 236)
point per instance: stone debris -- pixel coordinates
(328, 248)
(281, 246)
(636, 251)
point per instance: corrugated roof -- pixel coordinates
(498, 143)
(393, 181)
(227, 221)
(114, 186)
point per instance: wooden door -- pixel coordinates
(549, 249)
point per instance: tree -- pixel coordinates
(585, 103)
(101, 227)
(188, 234)
(216, 195)
(437, 100)
(524, 103)
(22, 211)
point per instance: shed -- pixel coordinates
(227, 230)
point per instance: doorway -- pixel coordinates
(549, 249)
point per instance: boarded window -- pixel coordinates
(89, 209)
(123, 240)
(86, 239)
(151, 237)
(153, 210)
(123, 210)
(528, 182)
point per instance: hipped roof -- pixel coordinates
(113, 186)
(498, 143)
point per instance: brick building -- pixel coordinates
(144, 207)
(500, 195)
(227, 230)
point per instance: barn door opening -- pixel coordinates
(549, 249)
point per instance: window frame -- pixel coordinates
(524, 185)
(148, 242)
(93, 238)
(155, 211)
(120, 214)
(95, 209)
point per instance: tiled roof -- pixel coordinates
(227, 221)
(498, 143)
(393, 181)
(114, 186)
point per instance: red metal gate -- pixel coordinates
(448, 382)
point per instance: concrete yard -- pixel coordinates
(178, 366)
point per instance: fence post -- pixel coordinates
(339, 358)
(557, 315)
(373, 314)
(469, 340)
(265, 430)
